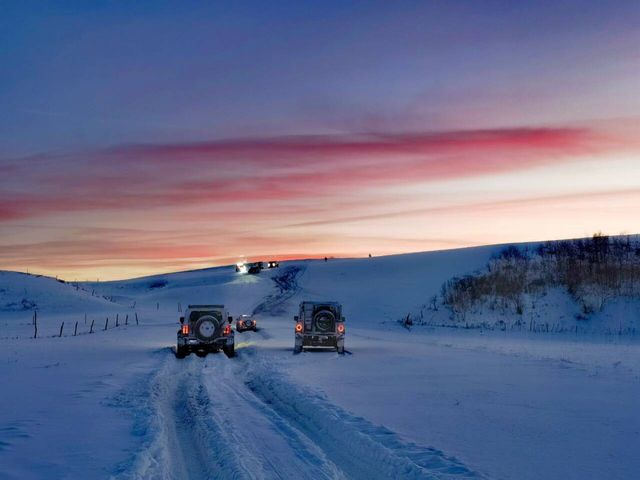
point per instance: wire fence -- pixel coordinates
(59, 326)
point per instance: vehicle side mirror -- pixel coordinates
(181, 319)
(230, 319)
(296, 318)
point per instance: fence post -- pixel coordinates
(126, 319)
(179, 307)
(136, 318)
(61, 327)
(106, 323)
(35, 324)
(85, 318)
(91, 329)
(117, 320)
(75, 331)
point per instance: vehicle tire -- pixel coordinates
(206, 327)
(324, 321)
(180, 352)
(229, 351)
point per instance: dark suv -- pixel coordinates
(203, 329)
(319, 324)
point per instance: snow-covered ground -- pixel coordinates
(420, 403)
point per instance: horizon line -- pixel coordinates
(319, 257)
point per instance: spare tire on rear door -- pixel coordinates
(206, 327)
(324, 321)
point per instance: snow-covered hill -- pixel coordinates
(21, 292)
(407, 403)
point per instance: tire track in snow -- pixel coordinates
(278, 449)
(207, 424)
(287, 286)
(185, 439)
(357, 447)
(242, 418)
(205, 435)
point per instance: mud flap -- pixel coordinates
(229, 350)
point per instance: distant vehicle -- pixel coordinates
(204, 329)
(246, 322)
(319, 324)
(255, 267)
(273, 264)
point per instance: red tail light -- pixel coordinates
(340, 328)
(185, 329)
(227, 330)
(298, 327)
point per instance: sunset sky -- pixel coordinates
(144, 137)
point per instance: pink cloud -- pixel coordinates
(281, 169)
(255, 150)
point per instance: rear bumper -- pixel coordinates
(317, 340)
(195, 343)
(244, 328)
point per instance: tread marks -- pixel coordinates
(244, 418)
(287, 286)
(357, 447)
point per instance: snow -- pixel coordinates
(422, 403)
(20, 292)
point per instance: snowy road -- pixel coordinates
(241, 418)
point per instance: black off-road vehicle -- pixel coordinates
(319, 324)
(255, 267)
(204, 329)
(246, 322)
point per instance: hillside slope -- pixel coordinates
(21, 292)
